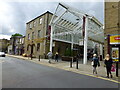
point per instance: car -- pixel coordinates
(2, 54)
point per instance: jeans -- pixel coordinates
(94, 70)
(108, 71)
(49, 59)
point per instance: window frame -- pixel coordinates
(29, 36)
(40, 20)
(33, 35)
(34, 23)
(39, 33)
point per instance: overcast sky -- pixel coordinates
(14, 15)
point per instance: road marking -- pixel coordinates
(94, 76)
(102, 78)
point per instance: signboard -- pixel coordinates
(115, 54)
(115, 39)
(39, 40)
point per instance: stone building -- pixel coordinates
(3, 45)
(16, 46)
(38, 35)
(112, 26)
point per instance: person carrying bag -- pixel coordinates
(95, 62)
(108, 63)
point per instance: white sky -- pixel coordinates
(15, 13)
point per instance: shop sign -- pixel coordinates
(115, 39)
(115, 54)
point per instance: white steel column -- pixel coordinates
(85, 41)
(101, 50)
(72, 42)
(51, 37)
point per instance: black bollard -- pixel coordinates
(70, 63)
(39, 57)
(31, 56)
(76, 63)
(117, 69)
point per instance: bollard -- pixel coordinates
(31, 56)
(39, 57)
(70, 63)
(117, 69)
(76, 63)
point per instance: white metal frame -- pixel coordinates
(69, 21)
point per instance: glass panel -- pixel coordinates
(71, 23)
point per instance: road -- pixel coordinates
(18, 73)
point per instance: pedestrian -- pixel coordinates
(49, 56)
(56, 57)
(96, 63)
(108, 63)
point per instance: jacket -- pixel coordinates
(108, 63)
(96, 62)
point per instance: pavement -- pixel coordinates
(83, 69)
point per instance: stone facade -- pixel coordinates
(3, 45)
(112, 21)
(37, 30)
(17, 45)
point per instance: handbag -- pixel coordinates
(113, 68)
(92, 63)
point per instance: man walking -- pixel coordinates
(49, 56)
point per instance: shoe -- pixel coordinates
(107, 76)
(111, 76)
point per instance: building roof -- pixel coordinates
(39, 16)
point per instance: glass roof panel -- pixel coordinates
(68, 22)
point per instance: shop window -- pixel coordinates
(38, 46)
(27, 47)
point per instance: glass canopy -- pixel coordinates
(69, 26)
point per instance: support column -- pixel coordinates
(108, 44)
(72, 47)
(85, 41)
(101, 52)
(51, 37)
(72, 43)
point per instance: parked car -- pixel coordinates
(2, 54)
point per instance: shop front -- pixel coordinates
(114, 49)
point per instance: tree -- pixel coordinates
(16, 34)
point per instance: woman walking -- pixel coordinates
(108, 63)
(56, 57)
(96, 63)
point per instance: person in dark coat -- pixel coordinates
(56, 56)
(108, 63)
(96, 63)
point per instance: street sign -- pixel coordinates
(115, 39)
